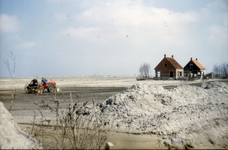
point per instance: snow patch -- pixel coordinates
(11, 136)
(185, 116)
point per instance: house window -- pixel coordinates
(191, 66)
(180, 74)
(165, 65)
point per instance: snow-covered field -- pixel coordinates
(11, 136)
(183, 117)
(186, 116)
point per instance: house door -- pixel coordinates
(171, 74)
(159, 74)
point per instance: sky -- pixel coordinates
(109, 37)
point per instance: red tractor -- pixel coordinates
(34, 87)
(50, 86)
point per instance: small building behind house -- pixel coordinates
(169, 68)
(193, 67)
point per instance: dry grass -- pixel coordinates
(77, 127)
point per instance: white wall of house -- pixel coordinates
(202, 72)
(179, 73)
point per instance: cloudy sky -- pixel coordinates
(109, 37)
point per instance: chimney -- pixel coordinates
(164, 55)
(172, 56)
(196, 59)
(191, 58)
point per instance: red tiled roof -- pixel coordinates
(198, 64)
(174, 63)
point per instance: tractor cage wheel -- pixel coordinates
(50, 88)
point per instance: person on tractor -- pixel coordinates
(44, 80)
(50, 86)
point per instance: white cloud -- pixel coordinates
(28, 45)
(142, 24)
(120, 13)
(9, 23)
(82, 32)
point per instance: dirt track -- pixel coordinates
(24, 101)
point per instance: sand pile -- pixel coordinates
(186, 116)
(11, 136)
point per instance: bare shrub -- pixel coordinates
(11, 71)
(144, 70)
(77, 127)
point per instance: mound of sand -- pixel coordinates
(11, 136)
(184, 117)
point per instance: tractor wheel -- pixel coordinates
(50, 88)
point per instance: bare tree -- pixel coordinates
(13, 58)
(221, 70)
(224, 69)
(144, 70)
(11, 72)
(216, 70)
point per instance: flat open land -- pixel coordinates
(83, 89)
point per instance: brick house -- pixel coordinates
(194, 67)
(169, 68)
